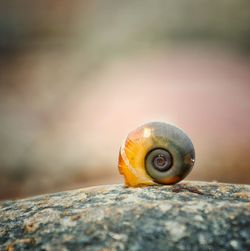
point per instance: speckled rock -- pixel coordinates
(187, 216)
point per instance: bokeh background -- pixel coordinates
(77, 76)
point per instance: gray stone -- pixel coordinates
(187, 216)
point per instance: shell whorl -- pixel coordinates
(125, 167)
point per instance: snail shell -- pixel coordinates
(156, 153)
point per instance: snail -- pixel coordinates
(156, 153)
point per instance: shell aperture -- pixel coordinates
(156, 153)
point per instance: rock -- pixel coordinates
(186, 216)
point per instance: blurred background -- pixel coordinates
(77, 76)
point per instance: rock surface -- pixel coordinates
(186, 216)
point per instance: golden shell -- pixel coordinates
(156, 153)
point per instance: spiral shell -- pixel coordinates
(156, 153)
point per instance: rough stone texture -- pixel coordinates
(186, 216)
